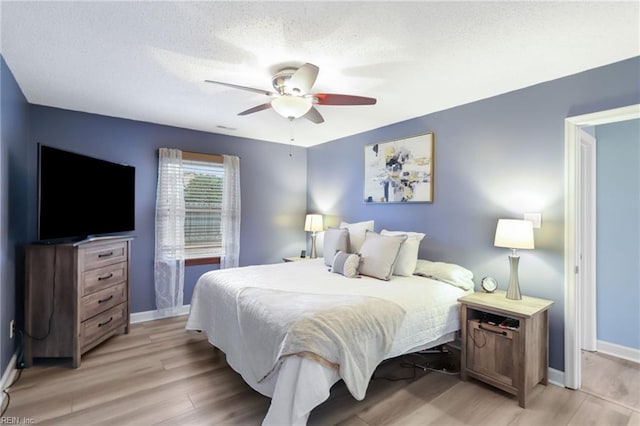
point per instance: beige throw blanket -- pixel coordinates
(351, 333)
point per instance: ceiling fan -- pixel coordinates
(292, 98)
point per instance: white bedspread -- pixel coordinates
(350, 333)
(298, 385)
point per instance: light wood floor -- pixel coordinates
(611, 378)
(160, 374)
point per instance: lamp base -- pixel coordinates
(313, 255)
(513, 292)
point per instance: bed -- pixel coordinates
(237, 308)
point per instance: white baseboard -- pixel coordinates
(158, 314)
(624, 352)
(556, 377)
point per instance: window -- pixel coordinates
(203, 176)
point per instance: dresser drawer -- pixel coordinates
(102, 300)
(99, 279)
(102, 325)
(101, 254)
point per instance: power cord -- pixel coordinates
(53, 301)
(476, 344)
(425, 366)
(5, 391)
(408, 363)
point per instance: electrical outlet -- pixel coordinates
(12, 328)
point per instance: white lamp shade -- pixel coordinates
(291, 106)
(515, 234)
(313, 223)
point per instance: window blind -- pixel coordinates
(203, 176)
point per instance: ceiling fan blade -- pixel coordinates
(256, 109)
(314, 115)
(249, 89)
(303, 79)
(336, 99)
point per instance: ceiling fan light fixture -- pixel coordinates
(291, 106)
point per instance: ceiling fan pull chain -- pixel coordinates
(291, 138)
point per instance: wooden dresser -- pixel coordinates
(76, 297)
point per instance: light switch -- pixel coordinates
(535, 218)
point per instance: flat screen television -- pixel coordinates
(82, 197)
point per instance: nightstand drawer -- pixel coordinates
(490, 351)
(102, 300)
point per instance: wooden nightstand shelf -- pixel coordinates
(514, 360)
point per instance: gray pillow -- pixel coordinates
(379, 254)
(335, 240)
(346, 264)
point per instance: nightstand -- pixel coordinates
(294, 259)
(513, 359)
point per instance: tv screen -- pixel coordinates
(82, 197)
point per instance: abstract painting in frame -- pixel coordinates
(399, 171)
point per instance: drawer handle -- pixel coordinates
(105, 300)
(504, 333)
(106, 322)
(105, 278)
(105, 254)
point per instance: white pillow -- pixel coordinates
(346, 264)
(378, 254)
(357, 233)
(408, 256)
(448, 272)
(335, 240)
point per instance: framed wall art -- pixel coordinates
(399, 171)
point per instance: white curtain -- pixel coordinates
(170, 215)
(231, 213)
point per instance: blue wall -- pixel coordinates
(618, 233)
(273, 185)
(495, 158)
(13, 203)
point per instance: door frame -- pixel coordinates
(587, 242)
(572, 227)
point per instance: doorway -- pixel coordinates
(574, 234)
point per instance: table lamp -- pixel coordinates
(313, 224)
(514, 234)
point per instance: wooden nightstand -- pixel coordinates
(294, 259)
(514, 360)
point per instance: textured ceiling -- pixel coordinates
(148, 60)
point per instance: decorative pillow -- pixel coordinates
(346, 264)
(357, 233)
(379, 253)
(335, 240)
(448, 272)
(408, 256)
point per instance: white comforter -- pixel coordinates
(350, 333)
(298, 385)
